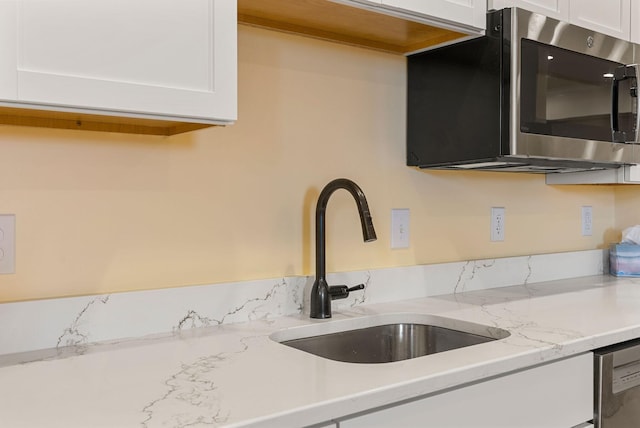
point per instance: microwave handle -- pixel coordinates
(623, 73)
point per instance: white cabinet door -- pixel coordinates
(611, 17)
(149, 58)
(635, 21)
(8, 53)
(556, 395)
(558, 9)
(467, 12)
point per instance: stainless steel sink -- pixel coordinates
(396, 339)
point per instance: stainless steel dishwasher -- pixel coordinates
(617, 386)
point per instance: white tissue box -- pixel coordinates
(624, 260)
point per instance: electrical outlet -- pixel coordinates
(497, 223)
(400, 228)
(587, 220)
(7, 243)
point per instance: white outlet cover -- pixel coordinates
(400, 228)
(497, 224)
(587, 220)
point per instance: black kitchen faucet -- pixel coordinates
(321, 292)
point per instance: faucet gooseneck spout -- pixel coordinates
(321, 292)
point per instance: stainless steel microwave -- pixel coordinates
(532, 95)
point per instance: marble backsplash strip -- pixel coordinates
(72, 324)
(385, 285)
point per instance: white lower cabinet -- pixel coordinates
(558, 394)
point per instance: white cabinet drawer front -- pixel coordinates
(556, 395)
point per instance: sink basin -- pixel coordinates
(385, 339)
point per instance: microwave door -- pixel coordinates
(568, 94)
(625, 74)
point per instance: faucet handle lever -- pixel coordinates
(342, 291)
(356, 287)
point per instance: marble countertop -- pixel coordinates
(235, 375)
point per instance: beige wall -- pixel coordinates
(627, 209)
(99, 212)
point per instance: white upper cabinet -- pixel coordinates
(458, 15)
(558, 9)
(635, 21)
(466, 12)
(612, 17)
(145, 58)
(397, 26)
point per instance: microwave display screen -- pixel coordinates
(569, 94)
